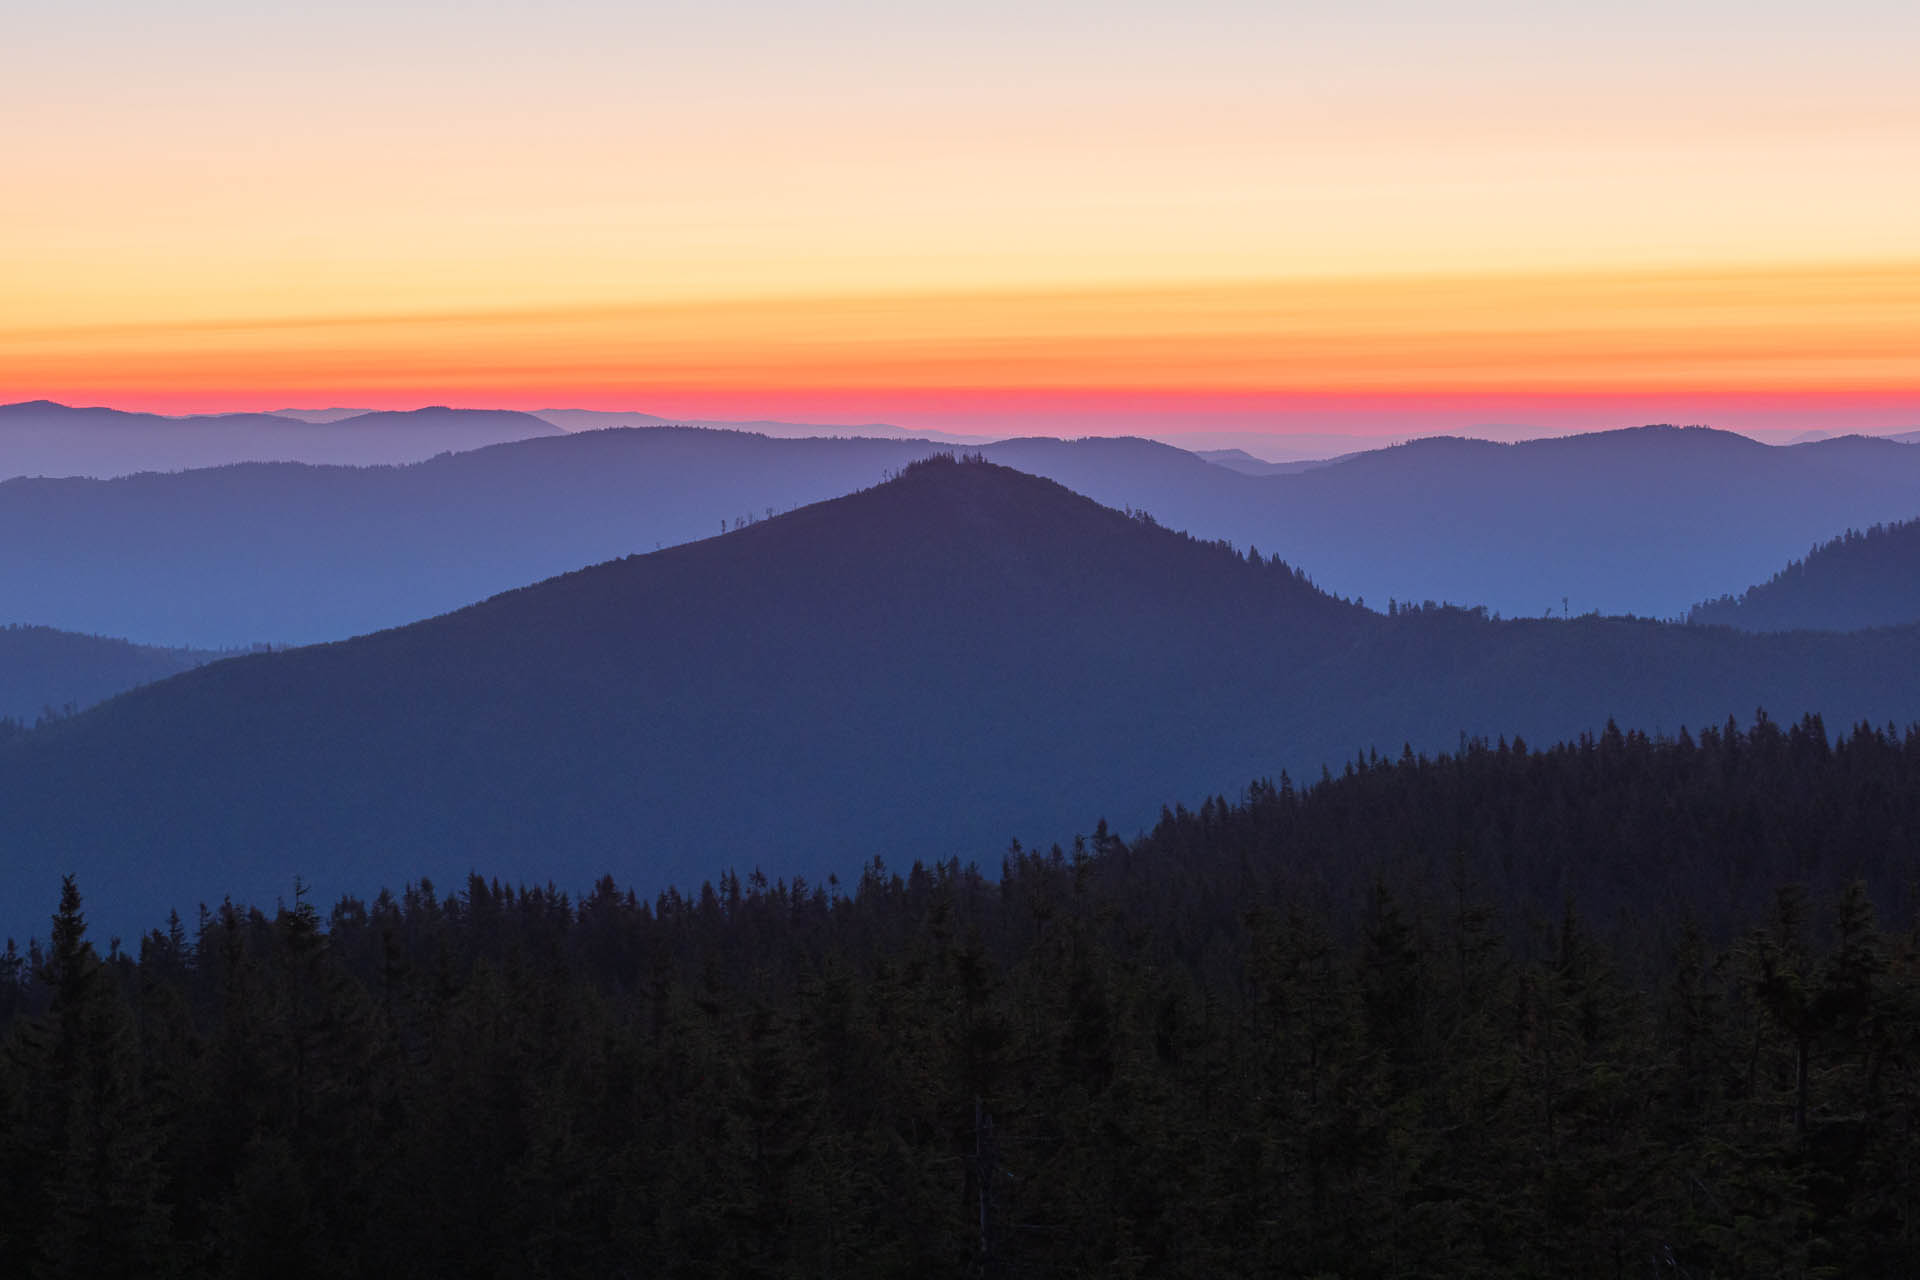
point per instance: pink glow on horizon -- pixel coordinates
(1161, 413)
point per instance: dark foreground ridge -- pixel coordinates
(961, 656)
(1622, 1007)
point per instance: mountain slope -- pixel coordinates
(292, 554)
(43, 670)
(295, 554)
(1857, 580)
(41, 438)
(924, 669)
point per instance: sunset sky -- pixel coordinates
(1082, 217)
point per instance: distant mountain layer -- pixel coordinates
(1248, 465)
(925, 669)
(602, 419)
(1858, 580)
(295, 554)
(318, 415)
(1646, 521)
(40, 438)
(43, 671)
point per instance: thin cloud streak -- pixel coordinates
(1844, 335)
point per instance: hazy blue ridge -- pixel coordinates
(1648, 521)
(939, 664)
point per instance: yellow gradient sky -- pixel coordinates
(992, 215)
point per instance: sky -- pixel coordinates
(1218, 216)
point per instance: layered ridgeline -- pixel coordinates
(928, 668)
(1857, 580)
(285, 553)
(41, 438)
(1645, 521)
(46, 673)
(604, 419)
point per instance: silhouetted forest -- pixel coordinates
(1857, 580)
(1624, 1007)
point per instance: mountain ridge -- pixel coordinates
(45, 438)
(601, 419)
(925, 669)
(1638, 521)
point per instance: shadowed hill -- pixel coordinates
(45, 671)
(41, 438)
(1857, 580)
(941, 662)
(923, 669)
(293, 554)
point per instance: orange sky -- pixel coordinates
(1848, 333)
(997, 217)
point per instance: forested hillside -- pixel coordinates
(1857, 580)
(960, 656)
(1622, 1007)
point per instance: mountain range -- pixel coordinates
(1246, 464)
(41, 438)
(286, 553)
(602, 419)
(927, 668)
(1646, 521)
(1642, 521)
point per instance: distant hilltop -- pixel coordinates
(599, 419)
